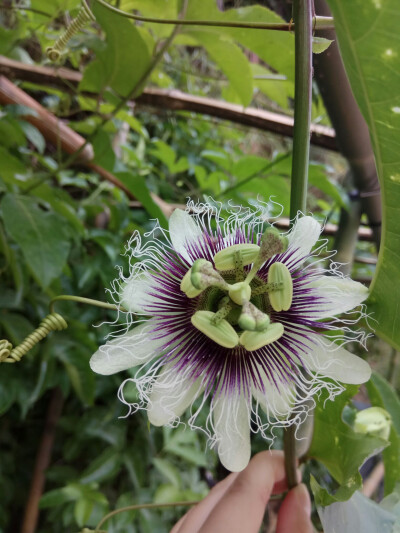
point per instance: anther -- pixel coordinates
(254, 340)
(280, 300)
(226, 259)
(222, 333)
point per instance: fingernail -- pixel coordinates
(303, 498)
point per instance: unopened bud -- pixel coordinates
(254, 340)
(226, 258)
(373, 421)
(280, 299)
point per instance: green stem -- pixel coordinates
(319, 22)
(303, 16)
(302, 11)
(142, 506)
(81, 299)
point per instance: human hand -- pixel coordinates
(237, 504)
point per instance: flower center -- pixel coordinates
(233, 302)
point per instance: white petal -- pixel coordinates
(302, 238)
(328, 359)
(170, 396)
(275, 402)
(135, 294)
(133, 348)
(183, 230)
(339, 295)
(232, 430)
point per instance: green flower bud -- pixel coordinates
(225, 259)
(373, 421)
(280, 299)
(187, 287)
(253, 340)
(222, 333)
(240, 292)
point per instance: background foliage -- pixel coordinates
(63, 229)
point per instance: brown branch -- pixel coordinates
(174, 100)
(59, 134)
(42, 462)
(352, 131)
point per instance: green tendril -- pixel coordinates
(52, 322)
(84, 16)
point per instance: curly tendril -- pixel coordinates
(52, 322)
(84, 16)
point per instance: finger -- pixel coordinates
(242, 506)
(193, 519)
(294, 513)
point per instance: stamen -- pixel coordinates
(225, 308)
(266, 287)
(280, 300)
(254, 340)
(239, 274)
(226, 259)
(221, 333)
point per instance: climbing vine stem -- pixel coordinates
(81, 299)
(319, 23)
(303, 11)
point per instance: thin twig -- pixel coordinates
(319, 22)
(42, 462)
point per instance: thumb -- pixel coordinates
(294, 513)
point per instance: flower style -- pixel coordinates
(232, 315)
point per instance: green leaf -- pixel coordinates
(56, 497)
(76, 360)
(125, 60)
(103, 467)
(367, 34)
(137, 185)
(104, 154)
(382, 394)
(276, 48)
(10, 166)
(339, 448)
(167, 469)
(320, 44)
(33, 135)
(230, 59)
(41, 235)
(82, 510)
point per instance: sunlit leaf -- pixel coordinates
(339, 448)
(123, 63)
(42, 236)
(367, 34)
